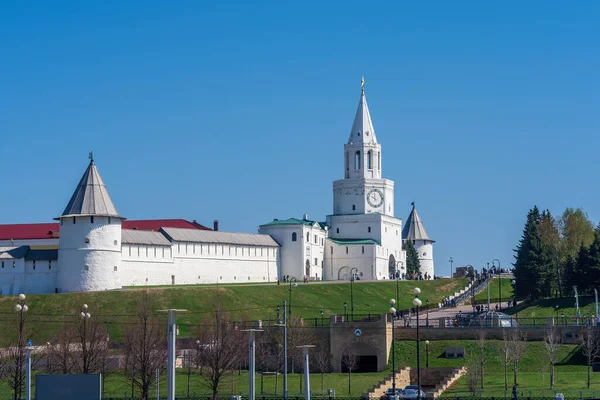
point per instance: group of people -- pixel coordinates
(413, 277)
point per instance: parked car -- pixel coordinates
(389, 394)
(412, 392)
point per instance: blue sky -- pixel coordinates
(238, 111)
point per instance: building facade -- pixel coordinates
(92, 247)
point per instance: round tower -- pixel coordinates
(89, 249)
(414, 230)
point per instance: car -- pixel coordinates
(412, 392)
(389, 394)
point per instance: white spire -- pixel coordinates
(362, 128)
(91, 196)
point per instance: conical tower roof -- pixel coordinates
(362, 128)
(414, 228)
(91, 196)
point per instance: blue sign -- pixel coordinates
(29, 343)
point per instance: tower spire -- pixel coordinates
(362, 86)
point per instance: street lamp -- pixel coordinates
(322, 322)
(514, 285)
(499, 281)
(393, 313)
(427, 354)
(353, 272)
(556, 309)
(398, 278)
(292, 282)
(84, 315)
(22, 309)
(417, 303)
(427, 310)
(451, 261)
(345, 311)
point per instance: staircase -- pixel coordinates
(402, 380)
(445, 378)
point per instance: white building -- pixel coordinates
(94, 248)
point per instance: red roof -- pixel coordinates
(50, 230)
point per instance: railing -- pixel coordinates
(523, 394)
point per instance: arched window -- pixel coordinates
(307, 237)
(369, 162)
(294, 236)
(357, 160)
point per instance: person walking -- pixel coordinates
(515, 393)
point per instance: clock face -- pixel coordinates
(375, 198)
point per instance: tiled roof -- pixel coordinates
(294, 221)
(13, 252)
(200, 236)
(132, 236)
(91, 196)
(414, 228)
(42, 255)
(354, 241)
(51, 230)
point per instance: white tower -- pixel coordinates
(89, 249)
(414, 230)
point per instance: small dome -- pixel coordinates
(493, 319)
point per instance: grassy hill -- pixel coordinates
(506, 291)
(48, 313)
(547, 307)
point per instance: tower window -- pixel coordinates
(87, 240)
(414, 242)
(363, 249)
(109, 220)
(358, 133)
(337, 230)
(115, 268)
(379, 161)
(34, 263)
(369, 229)
(346, 249)
(92, 219)
(331, 253)
(369, 162)
(294, 236)
(307, 237)
(74, 220)
(86, 267)
(49, 264)
(357, 160)
(316, 240)
(316, 262)
(116, 243)
(353, 207)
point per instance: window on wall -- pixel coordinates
(87, 240)
(369, 229)
(369, 156)
(49, 264)
(33, 264)
(346, 249)
(116, 243)
(74, 220)
(92, 219)
(294, 236)
(379, 161)
(86, 267)
(14, 264)
(115, 268)
(316, 262)
(363, 249)
(109, 220)
(357, 160)
(2, 264)
(307, 237)
(322, 241)
(316, 240)
(353, 207)
(337, 230)
(331, 252)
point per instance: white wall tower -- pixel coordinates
(89, 249)
(414, 230)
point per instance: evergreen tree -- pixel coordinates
(571, 275)
(593, 273)
(413, 265)
(549, 257)
(583, 265)
(528, 258)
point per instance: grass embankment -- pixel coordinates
(48, 313)
(547, 307)
(117, 386)
(506, 290)
(533, 370)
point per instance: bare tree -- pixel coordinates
(222, 351)
(481, 336)
(552, 342)
(274, 340)
(505, 353)
(590, 346)
(145, 346)
(93, 342)
(517, 346)
(473, 375)
(350, 362)
(59, 352)
(322, 358)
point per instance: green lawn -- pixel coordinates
(49, 312)
(118, 386)
(547, 307)
(571, 372)
(506, 290)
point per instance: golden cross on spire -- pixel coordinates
(362, 85)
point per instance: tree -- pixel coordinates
(473, 374)
(93, 342)
(222, 351)
(60, 351)
(145, 345)
(549, 257)
(322, 359)
(572, 276)
(481, 341)
(528, 262)
(552, 342)
(517, 347)
(506, 355)
(590, 346)
(575, 228)
(593, 273)
(413, 265)
(350, 362)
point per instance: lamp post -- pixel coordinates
(84, 315)
(306, 370)
(427, 354)
(251, 363)
(345, 311)
(556, 310)
(353, 272)
(398, 277)
(393, 313)
(22, 309)
(514, 285)
(499, 282)
(322, 321)
(417, 302)
(451, 261)
(285, 358)
(292, 282)
(427, 310)
(171, 356)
